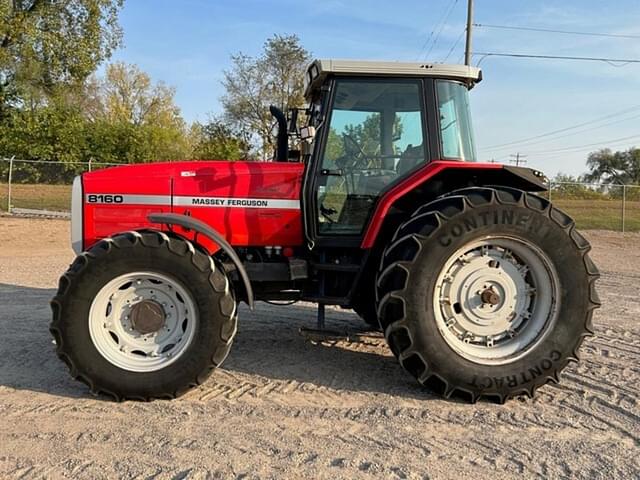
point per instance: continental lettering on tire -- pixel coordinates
(100, 198)
(526, 221)
(520, 378)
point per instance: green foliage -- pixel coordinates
(132, 120)
(121, 118)
(216, 141)
(335, 146)
(52, 108)
(614, 167)
(55, 132)
(365, 136)
(47, 43)
(275, 77)
(570, 187)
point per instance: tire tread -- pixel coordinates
(418, 227)
(176, 246)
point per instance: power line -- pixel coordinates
(453, 47)
(581, 147)
(558, 137)
(565, 129)
(424, 45)
(548, 30)
(528, 144)
(437, 37)
(551, 154)
(610, 61)
(433, 30)
(610, 145)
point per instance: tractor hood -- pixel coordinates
(250, 203)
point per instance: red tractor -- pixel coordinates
(376, 203)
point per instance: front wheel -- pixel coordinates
(486, 292)
(143, 315)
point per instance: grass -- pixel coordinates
(588, 214)
(601, 214)
(42, 197)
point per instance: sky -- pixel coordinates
(187, 44)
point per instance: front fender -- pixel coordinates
(204, 229)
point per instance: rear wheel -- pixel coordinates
(368, 313)
(143, 315)
(486, 292)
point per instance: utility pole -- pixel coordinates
(518, 159)
(467, 48)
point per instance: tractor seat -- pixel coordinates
(410, 158)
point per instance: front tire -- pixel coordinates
(487, 292)
(143, 315)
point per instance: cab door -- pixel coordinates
(375, 134)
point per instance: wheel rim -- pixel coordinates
(142, 321)
(496, 299)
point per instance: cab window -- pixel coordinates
(376, 134)
(456, 135)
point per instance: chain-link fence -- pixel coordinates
(39, 187)
(598, 206)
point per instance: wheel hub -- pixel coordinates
(494, 299)
(489, 297)
(142, 321)
(147, 316)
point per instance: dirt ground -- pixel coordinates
(283, 407)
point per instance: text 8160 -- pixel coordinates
(104, 198)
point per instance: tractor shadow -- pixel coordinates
(268, 344)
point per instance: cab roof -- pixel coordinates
(319, 69)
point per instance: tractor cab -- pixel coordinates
(370, 125)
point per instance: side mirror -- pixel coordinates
(307, 133)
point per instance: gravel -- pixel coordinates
(283, 406)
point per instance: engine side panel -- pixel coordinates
(250, 203)
(253, 203)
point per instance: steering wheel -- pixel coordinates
(356, 160)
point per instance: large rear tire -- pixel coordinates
(368, 313)
(143, 315)
(487, 292)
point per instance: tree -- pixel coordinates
(216, 141)
(614, 167)
(55, 132)
(572, 187)
(275, 77)
(45, 43)
(122, 117)
(126, 94)
(133, 120)
(360, 138)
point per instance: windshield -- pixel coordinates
(456, 132)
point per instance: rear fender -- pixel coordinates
(438, 178)
(202, 228)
